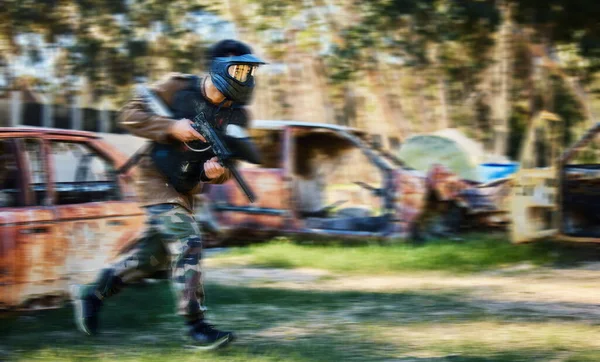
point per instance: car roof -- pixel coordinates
(256, 124)
(281, 124)
(49, 131)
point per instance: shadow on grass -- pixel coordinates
(273, 325)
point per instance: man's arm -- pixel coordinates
(216, 181)
(140, 121)
(220, 179)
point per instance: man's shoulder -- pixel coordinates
(172, 78)
(173, 82)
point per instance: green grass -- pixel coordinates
(295, 325)
(279, 323)
(475, 253)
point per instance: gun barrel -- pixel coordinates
(241, 183)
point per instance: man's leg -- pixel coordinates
(146, 257)
(180, 230)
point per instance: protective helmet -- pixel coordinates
(232, 67)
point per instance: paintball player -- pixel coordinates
(172, 234)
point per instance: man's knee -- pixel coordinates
(108, 284)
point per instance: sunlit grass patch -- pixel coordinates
(475, 253)
(491, 336)
(306, 325)
(411, 315)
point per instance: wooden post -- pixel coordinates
(104, 119)
(48, 111)
(76, 112)
(16, 109)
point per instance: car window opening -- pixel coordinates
(581, 192)
(328, 173)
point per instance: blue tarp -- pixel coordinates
(493, 171)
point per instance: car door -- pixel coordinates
(270, 212)
(27, 227)
(96, 220)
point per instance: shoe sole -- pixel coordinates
(217, 344)
(78, 304)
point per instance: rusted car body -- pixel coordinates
(63, 213)
(480, 204)
(556, 195)
(319, 180)
(466, 190)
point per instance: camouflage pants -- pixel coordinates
(171, 236)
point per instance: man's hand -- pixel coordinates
(183, 131)
(213, 169)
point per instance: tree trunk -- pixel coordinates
(380, 91)
(424, 118)
(444, 122)
(390, 81)
(321, 80)
(501, 104)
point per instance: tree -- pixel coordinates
(108, 38)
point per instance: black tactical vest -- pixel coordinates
(182, 166)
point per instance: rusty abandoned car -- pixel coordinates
(320, 180)
(556, 193)
(334, 181)
(63, 213)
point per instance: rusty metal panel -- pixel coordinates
(20, 131)
(8, 257)
(445, 183)
(14, 133)
(272, 194)
(93, 242)
(411, 192)
(98, 209)
(268, 185)
(533, 204)
(490, 202)
(28, 249)
(496, 195)
(540, 210)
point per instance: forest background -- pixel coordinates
(393, 67)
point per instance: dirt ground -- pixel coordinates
(523, 283)
(527, 290)
(522, 313)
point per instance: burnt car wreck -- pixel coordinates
(63, 213)
(334, 181)
(319, 179)
(556, 194)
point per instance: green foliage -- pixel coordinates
(478, 252)
(109, 37)
(434, 42)
(564, 22)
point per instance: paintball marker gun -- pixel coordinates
(233, 144)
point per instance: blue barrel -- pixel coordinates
(493, 171)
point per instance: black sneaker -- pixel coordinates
(87, 307)
(206, 337)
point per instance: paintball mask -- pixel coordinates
(234, 76)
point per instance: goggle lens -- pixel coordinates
(241, 72)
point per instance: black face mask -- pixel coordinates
(233, 76)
